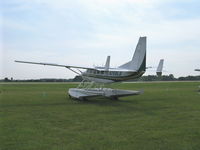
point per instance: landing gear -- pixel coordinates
(114, 94)
(92, 89)
(89, 85)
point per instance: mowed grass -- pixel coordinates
(42, 117)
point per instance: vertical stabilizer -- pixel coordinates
(160, 68)
(107, 65)
(138, 62)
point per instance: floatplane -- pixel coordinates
(94, 78)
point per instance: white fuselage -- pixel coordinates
(111, 75)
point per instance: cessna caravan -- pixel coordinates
(132, 69)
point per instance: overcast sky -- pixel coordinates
(84, 32)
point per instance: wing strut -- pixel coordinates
(73, 70)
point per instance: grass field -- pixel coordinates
(42, 117)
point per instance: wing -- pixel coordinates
(50, 64)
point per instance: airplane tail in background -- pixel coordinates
(160, 68)
(138, 62)
(107, 65)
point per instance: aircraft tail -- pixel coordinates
(138, 62)
(160, 67)
(107, 65)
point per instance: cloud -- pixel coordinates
(59, 31)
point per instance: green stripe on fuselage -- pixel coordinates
(134, 75)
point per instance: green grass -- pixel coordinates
(42, 117)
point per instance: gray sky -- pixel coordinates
(84, 32)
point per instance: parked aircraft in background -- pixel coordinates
(197, 70)
(160, 67)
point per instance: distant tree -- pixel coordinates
(189, 78)
(6, 79)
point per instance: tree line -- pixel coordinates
(169, 77)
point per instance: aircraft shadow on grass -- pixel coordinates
(101, 101)
(122, 106)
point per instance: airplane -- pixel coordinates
(132, 69)
(197, 70)
(160, 67)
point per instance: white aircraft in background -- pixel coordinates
(133, 69)
(197, 70)
(160, 67)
